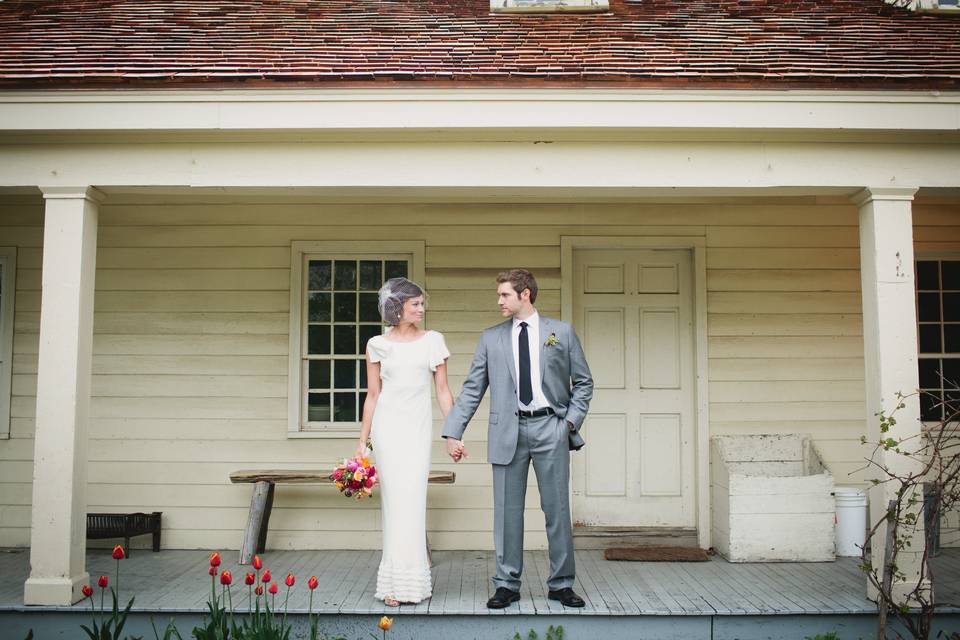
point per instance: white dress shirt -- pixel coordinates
(533, 336)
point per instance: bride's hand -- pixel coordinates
(361, 450)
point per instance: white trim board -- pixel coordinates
(697, 246)
(8, 261)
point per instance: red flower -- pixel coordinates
(212, 571)
(257, 563)
(250, 578)
(266, 576)
(368, 483)
(103, 582)
(273, 588)
(259, 590)
(290, 580)
(118, 553)
(312, 583)
(87, 591)
(214, 559)
(226, 578)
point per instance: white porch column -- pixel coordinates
(890, 343)
(58, 519)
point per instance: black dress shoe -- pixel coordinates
(566, 597)
(502, 598)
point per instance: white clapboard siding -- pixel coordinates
(190, 346)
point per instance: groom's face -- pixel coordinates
(510, 303)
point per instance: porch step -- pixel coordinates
(606, 537)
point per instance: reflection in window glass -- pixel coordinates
(938, 334)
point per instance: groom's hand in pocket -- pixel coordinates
(456, 449)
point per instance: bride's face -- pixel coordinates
(413, 310)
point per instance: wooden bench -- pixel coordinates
(101, 526)
(265, 481)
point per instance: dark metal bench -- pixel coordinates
(124, 525)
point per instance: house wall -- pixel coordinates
(191, 335)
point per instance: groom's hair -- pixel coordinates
(520, 279)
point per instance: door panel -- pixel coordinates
(634, 311)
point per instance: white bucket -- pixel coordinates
(851, 529)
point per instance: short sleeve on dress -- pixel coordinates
(377, 348)
(438, 350)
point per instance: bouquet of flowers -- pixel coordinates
(355, 478)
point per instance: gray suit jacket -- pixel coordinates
(565, 376)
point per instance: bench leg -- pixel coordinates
(255, 535)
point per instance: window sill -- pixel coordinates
(340, 432)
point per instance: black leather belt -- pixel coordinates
(546, 411)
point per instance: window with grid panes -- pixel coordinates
(938, 331)
(341, 315)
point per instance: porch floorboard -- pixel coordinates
(177, 581)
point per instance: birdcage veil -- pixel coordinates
(392, 295)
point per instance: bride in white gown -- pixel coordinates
(397, 415)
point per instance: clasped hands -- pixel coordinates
(456, 449)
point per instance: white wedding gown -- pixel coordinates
(401, 434)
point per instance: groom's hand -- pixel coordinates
(456, 449)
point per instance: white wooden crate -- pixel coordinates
(772, 499)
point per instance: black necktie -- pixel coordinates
(526, 387)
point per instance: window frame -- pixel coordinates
(8, 269)
(942, 355)
(301, 252)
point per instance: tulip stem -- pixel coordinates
(285, 600)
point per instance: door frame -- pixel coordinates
(697, 247)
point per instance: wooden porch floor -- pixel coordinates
(177, 581)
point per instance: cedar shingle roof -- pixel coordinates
(763, 44)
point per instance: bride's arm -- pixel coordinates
(444, 395)
(369, 404)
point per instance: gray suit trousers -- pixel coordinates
(542, 440)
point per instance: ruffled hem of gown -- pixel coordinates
(405, 585)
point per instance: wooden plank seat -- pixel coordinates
(101, 526)
(264, 482)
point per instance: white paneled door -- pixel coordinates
(634, 312)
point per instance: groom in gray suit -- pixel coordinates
(540, 389)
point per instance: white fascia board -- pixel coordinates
(474, 110)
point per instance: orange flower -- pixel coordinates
(386, 623)
(257, 563)
(273, 588)
(214, 559)
(290, 580)
(265, 578)
(118, 553)
(86, 590)
(226, 578)
(103, 582)
(312, 583)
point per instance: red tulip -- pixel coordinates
(312, 583)
(118, 553)
(257, 563)
(290, 580)
(103, 582)
(214, 559)
(250, 578)
(87, 590)
(226, 578)
(212, 571)
(259, 590)
(266, 576)
(273, 588)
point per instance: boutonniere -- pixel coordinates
(552, 341)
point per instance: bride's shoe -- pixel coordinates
(391, 602)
